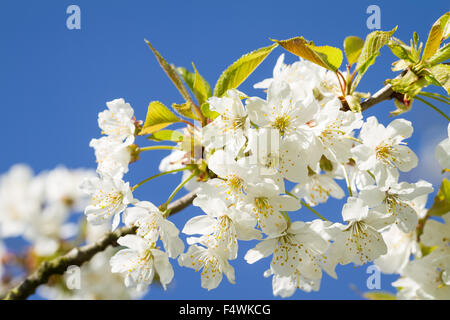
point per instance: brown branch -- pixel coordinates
(385, 93)
(78, 256)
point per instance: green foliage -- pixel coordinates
(158, 117)
(352, 47)
(436, 35)
(187, 76)
(440, 56)
(198, 85)
(171, 73)
(371, 49)
(428, 69)
(441, 73)
(379, 295)
(441, 203)
(207, 112)
(410, 83)
(235, 74)
(201, 88)
(324, 56)
(185, 109)
(167, 135)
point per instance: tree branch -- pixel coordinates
(385, 93)
(78, 256)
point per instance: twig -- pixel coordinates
(385, 93)
(78, 256)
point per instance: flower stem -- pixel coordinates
(307, 206)
(347, 180)
(433, 107)
(436, 96)
(156, 176)
(178, 188)
(353, 139)
(313, 210)
(157, 148)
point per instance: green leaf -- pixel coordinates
(171, 73)
(442, 55)
(441, 73)
(158, 117)
(371, 49)
(187, 76)
(441, 203)
(436, 35)
(379, 295)
(185, 109)
(325, 56)
(207, 112)
(167, 135)
(352, 48)
(235, 74)
(400, 50)
(409, 83)
(201, 88)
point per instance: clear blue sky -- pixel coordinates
(54, 81)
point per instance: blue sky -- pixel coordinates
(54, 81)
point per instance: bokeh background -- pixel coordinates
(54, 81)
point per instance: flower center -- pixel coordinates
(262, 203)
(282, 123)
(386, 154)
(235, 183)
(107, 199)
(236, 123)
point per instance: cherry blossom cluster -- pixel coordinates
(41, 209)
(243, 161)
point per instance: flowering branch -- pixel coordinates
(78, 256)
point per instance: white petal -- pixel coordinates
(261, 250)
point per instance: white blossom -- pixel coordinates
(110, 196)
(211, 261)
(151, 225)
(229, 128)
(112, 156)
(140, 261)
(223, 225)
(395, 199)
(360, 240)
(299, 248)
(317, 188)
(20, 199)
(426, 278)
(118, 121)
(442, 151)
(385, 145)
(266, 202)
